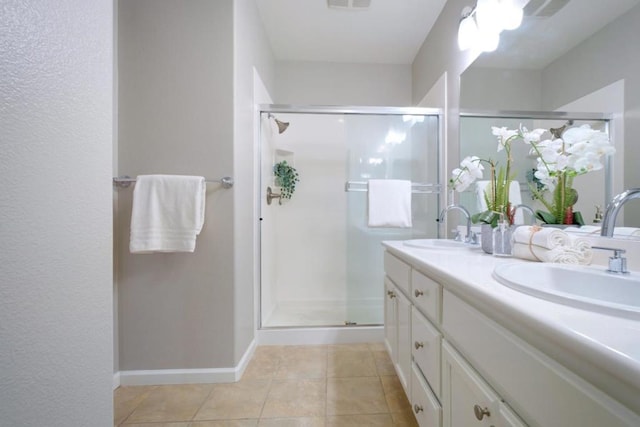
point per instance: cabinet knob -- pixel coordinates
(480, 412)
(418, 292)
(417, 408)
(419, 345)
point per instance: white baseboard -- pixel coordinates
(116, 380)
(185, 376)
(315, 336)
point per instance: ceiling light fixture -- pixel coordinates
(480, 26)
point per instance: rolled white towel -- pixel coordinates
(582, 248)
(551, 245)
(534, 253)
(543, 237)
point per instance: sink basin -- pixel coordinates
(591, 288)
(435, 244)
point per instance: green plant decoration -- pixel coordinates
(286, 178)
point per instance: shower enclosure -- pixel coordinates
(321, 265)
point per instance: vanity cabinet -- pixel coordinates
(460, 368)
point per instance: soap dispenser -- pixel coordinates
(502, 245)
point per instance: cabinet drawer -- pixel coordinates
(425, 405)
(425, 348)
(426, 294)
(398, 271)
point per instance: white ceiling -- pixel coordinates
(388, 32)
(392, 31)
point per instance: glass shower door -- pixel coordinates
(321, 265)
(385, 146)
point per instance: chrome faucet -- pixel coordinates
(610, 216)
(528, 209)
(470, 237)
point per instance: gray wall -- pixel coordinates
(186, 107)
(330, 83)
(500, 89)
(176, 117)
(252, 51)
(438, 56)
(608, 56)
(56, 118)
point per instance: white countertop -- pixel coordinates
(603, 349)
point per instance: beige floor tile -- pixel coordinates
(384, 365)
(312, 365)
(377, 346)
(297, 351)
(271, 351)
(349, 347)
(375, 420)
(171, 403)
(296, 398)
(234, 401)
(404, 419)
(181, 424)
(292, 422)
(351, 364)
(126, 399)
(261, 368)
(346, 396)
(394, 394)
(222, 423)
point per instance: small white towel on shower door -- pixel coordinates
(389, 203)
(167, 213)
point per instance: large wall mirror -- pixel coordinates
(573, 58)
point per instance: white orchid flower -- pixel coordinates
(504, 135)
(529, 137)
(470, 169)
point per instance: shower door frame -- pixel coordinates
(313, 109)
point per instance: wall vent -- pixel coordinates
(349, 4)
(544, 8)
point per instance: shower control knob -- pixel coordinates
(417, 408)
(391, 294)
(419, 345)
(418, 292)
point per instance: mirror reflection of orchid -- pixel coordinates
(579, 150)
(497, 193)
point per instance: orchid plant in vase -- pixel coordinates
(575, 152)
(496, 194)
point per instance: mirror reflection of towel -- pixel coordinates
(389, 203)
(515, 198)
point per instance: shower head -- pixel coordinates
(557, 132)
(282, 126)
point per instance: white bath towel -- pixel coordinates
(549, 244)
(515, 198)
(389, 203)
(167, 213)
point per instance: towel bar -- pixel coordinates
(415, 187)
(126, 181)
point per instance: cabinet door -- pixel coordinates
(390, 320)
(467, 400)
(403, 366)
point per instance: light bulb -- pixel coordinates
(467, 33)
(511, 15)
(488, 41)
(489, 16)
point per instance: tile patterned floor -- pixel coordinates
(283, 386)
